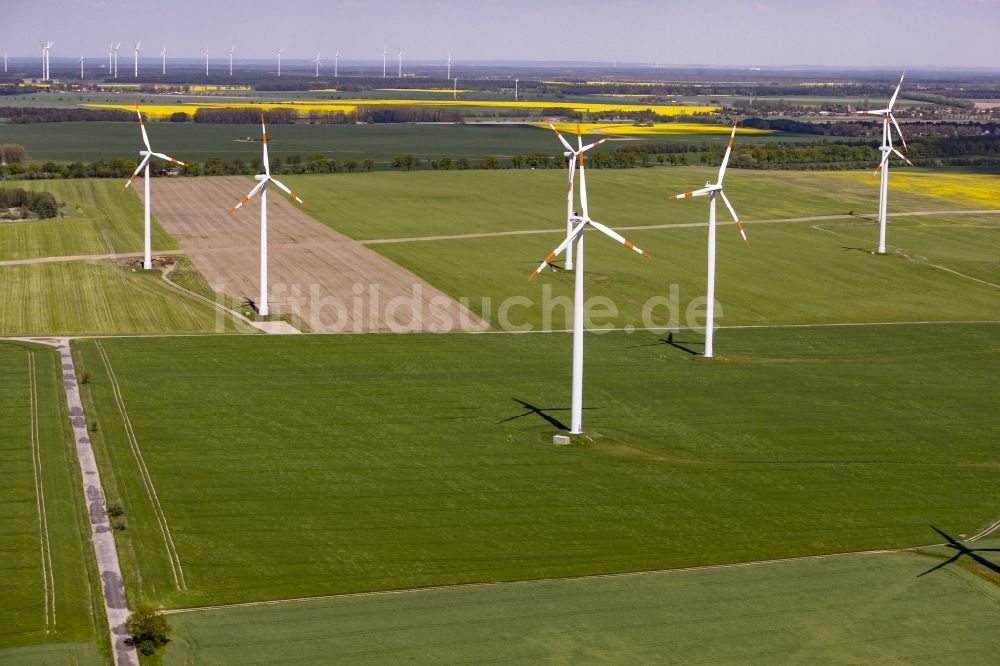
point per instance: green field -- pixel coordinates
(97, 218)
(196, 142)
(804, 272)
(48, 603)
(326, 464)
(93, 298)
(845, 609)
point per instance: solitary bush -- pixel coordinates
(147, 628)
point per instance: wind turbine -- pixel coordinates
(136, 49)
(115, 49)
(316, 62)
(572, 154)
(576, 235)
(81, 68)
(206, 61)
(144, 167)
(399, 57)
(111, 53)
(384, 53)
(336, 64)
(515, 90)
(449, 65)
(711, 191)
(280, 51)
(5, 61)
(886, 148)
(46, 75)
(231, 59)
(163, 60)
(261, 187)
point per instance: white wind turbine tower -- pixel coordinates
(515, 90)
(261, 187)
(449, 65)
(163, 60)
(115, 50)
(711, 191)
(231, 59)
(46, 75)
(576, 235)
(887, 149)
(5, 61)
(280, 51)
(206, 61)
(399, 57)
(136, 50)
(111, 53)
(146, 154)
(81, 68)
(336, 64)
(573, 154)
(385, 52)
(316, 61)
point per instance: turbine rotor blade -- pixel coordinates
(614, 235)
(142, 164)
(142, 126)
(281, 186)
(596, 143)
(885, 159)
(263, 140)
(725, 159)
(562, 139)
(573, 235)
(902, 157)
(583, 187)
(168, 158)
(256, 188)
(896, 94)
(696, 193)
(736, 219)
(898, 131)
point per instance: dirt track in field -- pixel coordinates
(334, 284)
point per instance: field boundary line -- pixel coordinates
(165, 275)
(175, 560)
(585, 577)
(48, 577)
(685, 225)
(734, 327)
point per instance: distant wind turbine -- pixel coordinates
(136, 50)
(280, 51)
(5, 61)
(887, 149)
(115, 49)
(449, 65)
(316, 61)
(261, 186)
(573, 154)
(206, 61)
(163, 60)
(336, 64)
(399, 57)
(144, 167)
(711, 190)
(81, 68)
(385, 52)
(231, 59)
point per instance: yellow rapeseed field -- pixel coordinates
(426, 90)
(657, 128)
(347, 105)
(974, 189)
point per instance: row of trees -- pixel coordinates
(41, 204)
(18, 115)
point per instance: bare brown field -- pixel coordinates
(333, 283)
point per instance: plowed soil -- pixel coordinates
(333, 283)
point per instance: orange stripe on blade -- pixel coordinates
(629, 244)
(549, 259)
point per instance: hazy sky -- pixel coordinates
(882, 33)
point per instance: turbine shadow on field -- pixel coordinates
(669, 341)
(962, 549)
(542, 412)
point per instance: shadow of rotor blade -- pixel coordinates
(945, 563)
(950, 540)
(986, 563)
